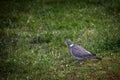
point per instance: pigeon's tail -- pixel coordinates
(96, 57)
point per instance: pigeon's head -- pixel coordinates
(69, 43)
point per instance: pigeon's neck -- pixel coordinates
(71, 45)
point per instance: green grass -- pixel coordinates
(33, 39)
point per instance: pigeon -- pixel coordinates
(79, 53)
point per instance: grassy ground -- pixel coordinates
(33, 35)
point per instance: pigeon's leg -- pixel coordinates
(80, 61)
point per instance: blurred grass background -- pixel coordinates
(33, 35)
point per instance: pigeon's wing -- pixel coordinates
(80, 51)
(76, 54)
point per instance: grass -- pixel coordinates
(33, 35)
